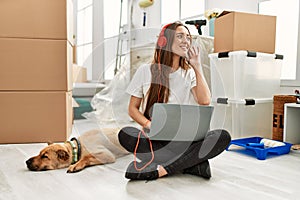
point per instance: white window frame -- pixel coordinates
(192, 28)
(98, 67)
(296, 81)
(180, 12)
(97, 59)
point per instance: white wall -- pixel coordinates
(250, 6)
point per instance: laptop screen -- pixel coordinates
(180, 122)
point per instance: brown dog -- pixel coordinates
(95, 147)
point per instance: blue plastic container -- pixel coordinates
(211, 23)
(253, 146)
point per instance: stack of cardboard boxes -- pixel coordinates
(35, 70)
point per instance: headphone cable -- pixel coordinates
(135, 151)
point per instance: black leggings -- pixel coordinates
(175, 156)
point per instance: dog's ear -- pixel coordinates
(49, 142)
(63, 155)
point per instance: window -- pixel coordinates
(111, 13)
(287, 29)
(190, 8)
(113, 42)
(169, 15)
(97, 34)
(181, 9)
(84, 34)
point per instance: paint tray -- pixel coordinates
(259, 151)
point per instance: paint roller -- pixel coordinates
(145, 4)
(271, 143)
(266, 143)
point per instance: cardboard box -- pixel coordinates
(48, 19)
(74, 54)
(244, 31)
(79, 74)
(35, 64)
(29, 117)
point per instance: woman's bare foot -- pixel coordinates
(161, 171)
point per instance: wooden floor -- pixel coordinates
(235, 176)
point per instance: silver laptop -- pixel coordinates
(174, 122)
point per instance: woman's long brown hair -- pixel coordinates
(161, 68)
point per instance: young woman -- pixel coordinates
(173, 77)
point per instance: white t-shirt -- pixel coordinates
(181, 83)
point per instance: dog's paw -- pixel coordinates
(74, 168)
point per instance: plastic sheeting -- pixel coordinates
(111, 103)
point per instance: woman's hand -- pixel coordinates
(201, 91)
(147, 126)
(194, 57)
(135, 113)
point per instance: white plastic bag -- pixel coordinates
(111, 103)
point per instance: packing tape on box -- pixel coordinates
(145, 3)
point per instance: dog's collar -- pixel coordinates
(76, 149)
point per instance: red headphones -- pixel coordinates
(162, 40)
